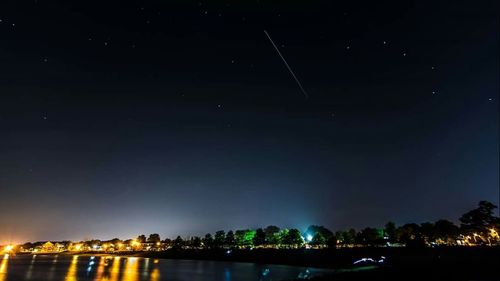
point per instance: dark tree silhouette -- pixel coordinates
(260, 237)
(446, 231)
(315, 229)
(370, 236)
(219, 238)
(154, 238)
(331, 242)
(318, 239)
(349, 236)
(178, 243)
(390, 231)
(410, 235)
(208, 241)
(115, 241)
(479, 220)
(230, 241)
(272, 235)
(27, 246)
(141, 238)
(428, 232)
(168, 242)
(195, 242)
(92, 243)
(293, 238)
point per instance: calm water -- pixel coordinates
(73, 268)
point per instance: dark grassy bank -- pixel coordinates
(453, 259)
(447, 263)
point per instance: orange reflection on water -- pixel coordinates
(155, 275)
(115, 270)
(72, 270)
(131, 271)
(30, 268)
(3, 267)
(51, 270)
(100, 268)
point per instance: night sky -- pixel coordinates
(119, 118)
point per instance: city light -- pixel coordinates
(309, 237)
(8, 248)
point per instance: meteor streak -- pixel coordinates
(288, 66)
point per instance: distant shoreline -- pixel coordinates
(322, 258)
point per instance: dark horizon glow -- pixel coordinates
(177, 117)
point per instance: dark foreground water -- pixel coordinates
(73, 268)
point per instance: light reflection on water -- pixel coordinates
(3, 267)
(115, 270)
(72, 270)
(52, 268)
(109, 268)
(131, 270)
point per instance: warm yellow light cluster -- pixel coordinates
(8, 249)
(493, 233)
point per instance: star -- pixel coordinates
(44, 117)
(219, 106)
(232, 61)
(385, 42)
(433, 67)
(434, 92)
(348, 47)
(105, 43)
(404, 54)
(45, 59)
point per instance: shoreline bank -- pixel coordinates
(324, 258)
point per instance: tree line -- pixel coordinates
(477, 227)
